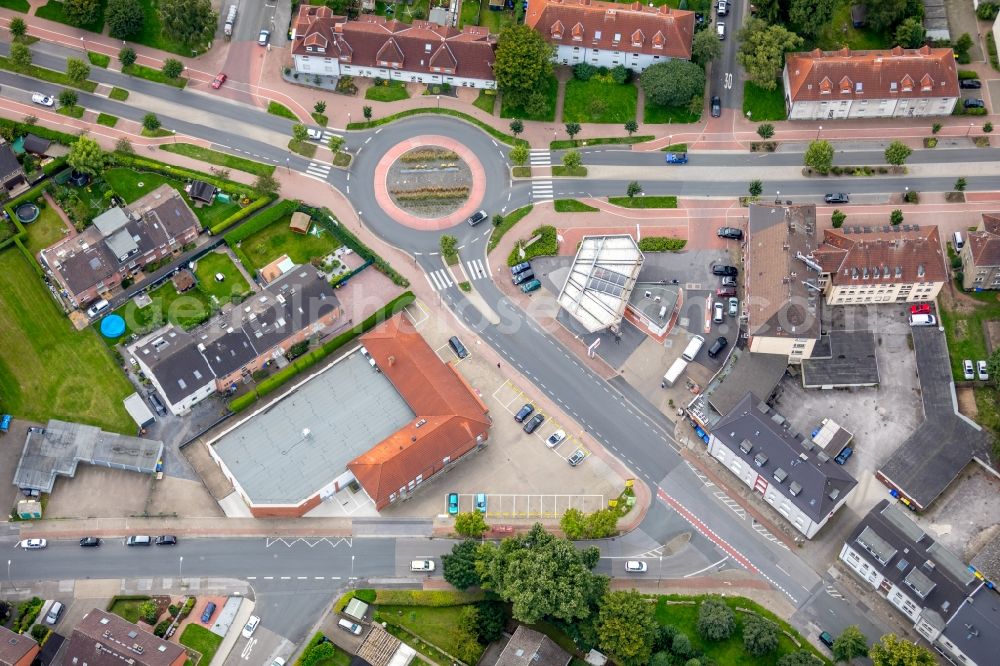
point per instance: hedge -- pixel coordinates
(661, 244)
(12, 205)
(547, 245)
(23, 128)
(427, 597)
(323, 216)
(313, 642)
(265, 219)
(286, 374)
(54, 165)
(366, 595)
(139, 162)
(242, 213)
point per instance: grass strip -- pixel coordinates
(496, 134)
(119, 94)
(669, 201)
(107, 119)
(304, 148)
(98, 59)
(219, 158)
(154, 75)
(50, 75)
(576, 172)
(675, 148)
(509, 220)
(279, 109)
(573, 206)
(562, 144)
(74, 111)
(157, 133)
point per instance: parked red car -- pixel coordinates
(920, 308)
(219, 80)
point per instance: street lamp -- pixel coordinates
(970, 130)
(777, 196)
(287, 167)
(818, 131)
(439, 101)
(83, 44)
(352, 571)
(9, 579)
(180, 567)
(659, 573)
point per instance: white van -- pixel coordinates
(959, 241)
(422, 565)
(923, 320)
(97, 308)
(674, 372)
(693, 348)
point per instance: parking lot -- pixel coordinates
(500, 505)
(512, 399)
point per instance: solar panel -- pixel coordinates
(607, 281)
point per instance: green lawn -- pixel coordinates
(54, 11)
(16, 5)
(130, 185)
(966, 338)
(107, 119)
(560, 144)
(574, 172)
(44, 231)
(644, 202)
(277, 239)
(470, 13)
(279, 109)
(304, 148)
(185, 310)
(47, 368)
(551, 89)
(217, 158)
(486, 101)
(119, 94)
(730, 651)
(154, 75)
(74, 111)
(509, 220)
(99, 59)
(840, 32)
(439, 626)
(393, 92)
(202, 640)
(764, 104)
(50, 75)
(573, 206)
(233, 285)
(152, 32)
(654, 114)
(594, 101)
(127, 609)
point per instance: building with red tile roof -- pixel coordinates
(896, 83)
(981, 255)
(376, 47)
(17, 649)
(607, 34)
(104, 639)
(900, 264)
(450, 420)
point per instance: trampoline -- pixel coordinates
(112, 326)
(27, 212)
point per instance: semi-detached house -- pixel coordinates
(376, 47)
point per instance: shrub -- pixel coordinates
(547, 245)
(584, 71)
(621, 74)
(161, 627)
(172, 68)
(716, 620)
(661, 244)
(987, 11)
(760, 636)
(38, 632)
(148, 611)
(188, 607)
(365, 595)
(837, 218)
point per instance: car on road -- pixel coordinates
(844, 455)
(555, 439)
(677, 158)
(278, 661)
(716, 106)
(576, 458)
(523, 277)
(717, 346)
(920, 308)
(970, 372)
(481, 502)
(730, 232)
(723, 8)
(983, 372)
(43, 100)
(54, 612)
(970, 84)
(458, 347)
(734, 306)
(314, 134)
(826, 639)
(138, 540)
(263, 37)
(725, 292)
(635, 566)
(717, 312)
(837, 198)
(974, 103)
(421, 565)
(90, 542)
(165, 540)
(452, 503)
(530, 286)
(722, 269)
(524, 412)
(250, 626)
(477, 217)
(720, 30)
(347, 625)
(34, 544)
(219, 79)
(519, 268)
(533, 423)
(729, 281)
(206, 614)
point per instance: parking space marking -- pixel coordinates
(520, 505)
(311, 543)
(513, 405)
(449, 356)
(417, 322)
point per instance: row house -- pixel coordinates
(981, 255)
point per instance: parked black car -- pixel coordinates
(974, 104)
(524, 413)
(970, 84)
(90, 542)
(722, 269)
(166, 540)
(716, 106)
(477, 217)
(717, 346)
(157, 404)
(458, 347)
(730, 232)
(532, 425)
(837, 197)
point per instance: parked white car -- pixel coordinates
(969, 371)
(635, 566)
(983, 373)
(34, 544)
(250, 626)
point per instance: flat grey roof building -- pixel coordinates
(841, 359)
(294, 446)
(60, 446)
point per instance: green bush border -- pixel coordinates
(20, 128)
(46, 74)
(435, 598)
(546, 246)
(492, 131)
(661, 244)
(612, 140)
(265, 219)
(317, 638)
(306, 361)
(509, 220)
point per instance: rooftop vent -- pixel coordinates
(780, 475)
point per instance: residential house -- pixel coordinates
(12, 178)
(120, 243)
(188, 367)
(788, 469)
(381, 48)
(17, 649)
(895, 83)
(889, 264)
(104, 639)
(781, 285)
(981, 255)
(949, 606)
(607, 34)
(528, 647)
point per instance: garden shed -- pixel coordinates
(201, 191)
(356, 609)
(183, 280)
(300, 223)
(36, 144)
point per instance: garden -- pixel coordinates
(199, 639)
(232, 287)
(384, 90)
(166, 305)
(130, 184)
(277, 239)
(44, 231)
(545, 109)
(600, 99)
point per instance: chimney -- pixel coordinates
(392, 361)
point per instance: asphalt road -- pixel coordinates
(726, 79)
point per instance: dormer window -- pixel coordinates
(577, 32)
(907, 84)
(926, 83)
(557, 30)
(845, 85)
(637, 38)
(427, 48)
(659, 40)
(825, 86)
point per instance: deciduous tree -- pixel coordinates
(673, 83)
(850, 643)
(519, 155)
(910, 34)
(82, 12)
(68, 98)
(705, 47)
(471, 523)
(633, 190)
(800, 658)
(896, 153)
(151, 122)
(884, 14)
(491, 621)
(631, 127)
(756, 187)
(837, 218)
(190, 22)
(523, 63)
(542, 576)
(300, 132)
(367, 112)
(449, 249)
(571, 159)
(460, 566)
(20, 55)
(86, 156)
(516, 127)
(760, 635)
(572, 129)
(810, 16)
(716, 621)
(894, 651)
(77, 70)
(172, 68)
(335, 143)
(266, 184)
(762, 51)
(125, 18)
(961, 184)
(819, 155)
(126, 56)
(573, 523)
(319, 107)
(896, 217)
(626, 627)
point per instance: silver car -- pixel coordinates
(576, 458)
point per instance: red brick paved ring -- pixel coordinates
(399, 215)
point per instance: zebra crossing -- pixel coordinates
(439, 279)
(327, 134)
(319, 170)
(475, 269)
(540, 157)
(541, 189)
